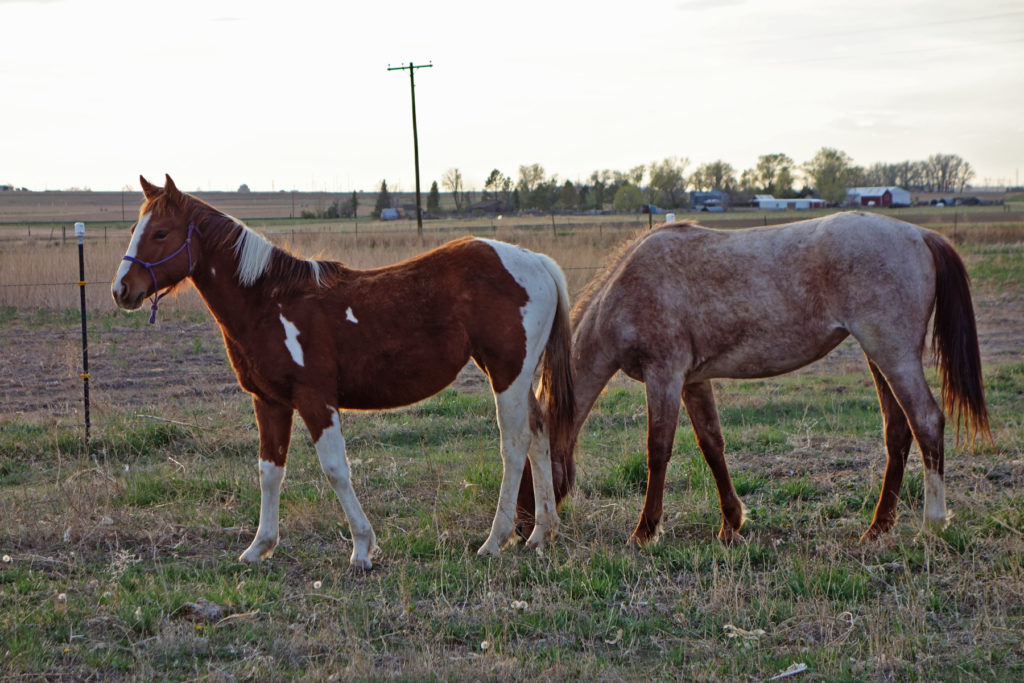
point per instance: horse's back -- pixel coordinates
(403, 332)
(760, 301)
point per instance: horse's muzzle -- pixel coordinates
(125, 298)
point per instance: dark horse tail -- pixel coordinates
(955, 341)
(556, 389)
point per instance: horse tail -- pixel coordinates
(556, 387)
(955, 341)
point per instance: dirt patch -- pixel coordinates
(183, 363)
(173, 363)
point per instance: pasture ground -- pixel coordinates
(119, 560)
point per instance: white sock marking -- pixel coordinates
(934, 498)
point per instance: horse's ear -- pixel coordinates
(149, 189)
(172, 192)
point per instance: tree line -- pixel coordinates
(667, 184)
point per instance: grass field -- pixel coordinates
(119, 560)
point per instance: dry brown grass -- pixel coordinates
(154, 514)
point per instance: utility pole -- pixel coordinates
(415, 139)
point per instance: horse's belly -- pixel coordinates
(765, 357)
(394, 385)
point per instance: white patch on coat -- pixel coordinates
(253, 252)
(543, 281)
(133, 249)
(934, 499)
(544, 285)
(350, 316)
(291, 340)
(213, 272)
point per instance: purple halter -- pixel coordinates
(149, 266)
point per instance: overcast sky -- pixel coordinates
(296, 95)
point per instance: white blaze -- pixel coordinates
(349, 315)
(133, 248)
(291, 340)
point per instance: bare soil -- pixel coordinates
(181, 362)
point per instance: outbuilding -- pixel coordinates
(884, 196)
(770, 203)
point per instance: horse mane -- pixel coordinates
(256, 256)
(612, 261)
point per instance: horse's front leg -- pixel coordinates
(699, 400)
(663, 391)
(325, 429)
(275, 426)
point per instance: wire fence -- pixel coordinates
(23, 326)
(564, 230)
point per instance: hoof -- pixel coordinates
(257, 552)
(360, 566)
(936, 523)
(536, 539)
(636, 542)
(489, 550)
(645, 534)
(876, 530)
(729, 536)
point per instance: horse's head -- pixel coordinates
(162, 250)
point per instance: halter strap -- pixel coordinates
(186, 247)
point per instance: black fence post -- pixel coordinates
(80, 234)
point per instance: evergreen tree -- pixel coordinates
(383, 199)
(434, 199)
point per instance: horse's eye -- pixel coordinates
(160, 234)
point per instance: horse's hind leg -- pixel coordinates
(275, 426)
(908, 385)
(513, 411)
(898, 438)
(325, 429)
(663, 392)
(699, 400)
(539, 461)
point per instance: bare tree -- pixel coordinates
(529, 178)
(452, 181)
(947, 173)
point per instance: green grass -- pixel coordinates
(103, 560)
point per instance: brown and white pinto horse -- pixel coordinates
(683, 305)
(316, 336)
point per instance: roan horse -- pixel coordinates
(683, 304)
(317, 336)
